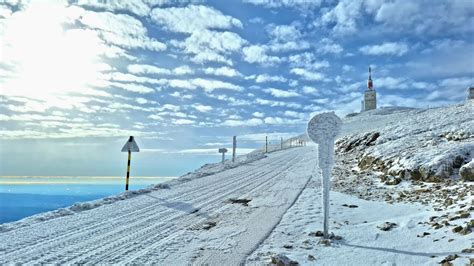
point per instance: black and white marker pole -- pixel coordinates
(323, 129)
(130, 146)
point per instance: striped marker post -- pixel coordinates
(130, 146)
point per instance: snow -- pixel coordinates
(267, 205)
(362, 242)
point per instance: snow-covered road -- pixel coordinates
(192, 222)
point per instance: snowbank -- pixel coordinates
(427, 145)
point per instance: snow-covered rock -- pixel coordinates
(467, 171)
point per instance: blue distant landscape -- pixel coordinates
(21, 197)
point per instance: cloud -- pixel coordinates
(267, 78)
(222, 71)
(193, 18)
(286, 38)
(327, 46)
(212, 46)
(182, 121)
(210, 85)
(281, 93)
(308, 75)
(120, 29)
(298, 4)
(387, 48)
(149, 69)
(132, 87)
(257, 54)
(202, 108)
(307, 60)
(238, 123)
(258, 114)
(137, 7)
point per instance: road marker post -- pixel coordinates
(223, 151)
(323, 129)
(234, 146)
(266, 144)
(130, 146)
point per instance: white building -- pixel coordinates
(370, 96)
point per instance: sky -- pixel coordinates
(78, 77)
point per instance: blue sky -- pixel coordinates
(78, 77)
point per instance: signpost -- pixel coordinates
(130, 146)
(223, 151)
(323, 129)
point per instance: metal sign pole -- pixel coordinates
(128, 169)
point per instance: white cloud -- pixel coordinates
(141, 100)
(182, 122)
(209, 85)
(193, 18)
(387, 48)
(327, 46)
(257, 54)
(308, 75)
(202, 108)
(222, 71)
(310, 90)
(286, 38)
(267, 78)
(212, 46)
(137, 7)
(183, 84)
(237, 123)
(258, 114)
(133, 87)
(281, 93)
(278, 103)
(149, 69)
(307, 60)
(120, 29)
(303, 5)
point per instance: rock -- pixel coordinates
(326, 242)
(392, 181)
(449, 258)
(457, 229)
(468, 250)
(350, 206)
(387, 226)
(311, 258)
(282, 260)
(424, 234)
(317, 234)
(288, 246)
(467, 171)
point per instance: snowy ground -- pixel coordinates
(411, 242)
(264, 205)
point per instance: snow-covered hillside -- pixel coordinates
(267, 207)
